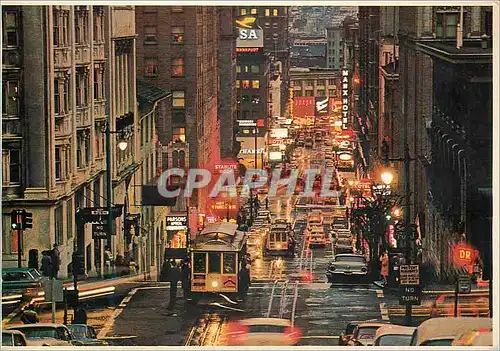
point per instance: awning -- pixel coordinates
(176, 253)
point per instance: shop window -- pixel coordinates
(177, 67)
(177, 35)
(150, 34)
(256, 84)
(214, 262)
(178, 100)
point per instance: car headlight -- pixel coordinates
(363, 269)
(332, 268)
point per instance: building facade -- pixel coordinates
(308, 82)
(178, 50)
(334, 47)
(83, 59)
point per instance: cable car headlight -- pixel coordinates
(215, 283)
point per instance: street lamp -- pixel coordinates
(123, 144)
(387, 177)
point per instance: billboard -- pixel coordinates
(322, 106)
(346, 106)
(250, 35)
(303, 106)
(279, 133)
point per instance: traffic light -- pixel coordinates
(71, 297)
(78, 264)
(15, 220)
(27, 220)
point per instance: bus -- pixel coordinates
(217, 257)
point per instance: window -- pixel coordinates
(275, 25)
(99, 82)
(308, 93)
(177, 9)
(255, 99)
(446, 25)
(86, 150)
(68, 157)
(246, 114)
(11, 167)
(58, 163)
(245, 84)
(179, 134)
(81, 27)
(179, 117)
(243, 12)
(229, 263)
(214, 262)
(150, 34)
(178, 98)
(245, 98)
(256, 84)
(60, 28)
(488, 22)
(275, 36)
(237, 83)
(268, 25)
(82, 87)
(253, 11)
(151, 66)
(79, 145)
(177, 35)
(320, 93)
(10, 103)
(297, 93)
(331, 92)
(238, 69)
(58, 220)
(267, 13)
(255, 115)
(10, 28)
(98, 13)
(69, 217)
(199, 264)
(275, 12)
(255, 69)
(149, 9)
(331, 81)
(177, 67)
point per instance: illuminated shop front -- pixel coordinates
(176, 231)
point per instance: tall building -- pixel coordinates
(178, 50)
(334, 49)
(66, 71)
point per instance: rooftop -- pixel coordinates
(470, 52)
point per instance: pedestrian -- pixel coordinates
(46, 263)
(244, 281)
(80, 316)
(174, 279)
(108, 261)
(434, 310)
(185, 272)
(55, 258)
(165, 270)
(29, 315)
(384, 271)
(267, 203)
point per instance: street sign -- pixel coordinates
(99, 212)
(409, 294)
(99, 231)
(409, 274)
(53, 290)
(464, 284)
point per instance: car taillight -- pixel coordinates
(235, 333)
(293, 333)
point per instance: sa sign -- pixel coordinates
(250, 34)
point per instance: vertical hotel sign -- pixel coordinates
(290, 102)
(345, 99)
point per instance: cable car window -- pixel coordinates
(199, 264)
(283, 236)
(229, 263)
(214, 262)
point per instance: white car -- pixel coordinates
(394, 335)
(47, 334)
(262, 332)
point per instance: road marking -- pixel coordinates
(384, 312)
(380, 293)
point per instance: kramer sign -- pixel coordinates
(345, 98)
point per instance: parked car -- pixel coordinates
(262, 332)
(86, 334)
(393, 335)
(47, 334)
(443, 331)
(347, 266)
(20, 279)
(476, 337)
(364, 333)
(13, 338)
(346, 335)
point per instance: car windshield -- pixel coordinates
(14, 276)
(349, 259)
(6, 339)
(39, 332)
(78, 331)
(266, 328)
(35, 273)
(350, 328)
(367, 332)
(394, 340)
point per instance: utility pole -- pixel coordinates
(109, 181)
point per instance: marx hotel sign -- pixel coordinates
(345, 98)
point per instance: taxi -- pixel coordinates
(262, 332)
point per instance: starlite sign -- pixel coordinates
(345, 98)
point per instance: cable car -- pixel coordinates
(277, 239)
(217, 257)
